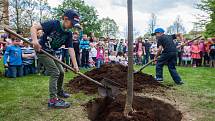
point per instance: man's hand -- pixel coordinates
(31, 55)
(6, 65)
(74, 62)
(76, 69)
(34, 29)
(180, 36)
(81, 28)
(37, 46)
(155, 59)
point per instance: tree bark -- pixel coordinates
(17, 16)
(4, 14)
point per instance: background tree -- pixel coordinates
(170, 29)
(4, 14)
(15, 13)
(209, 7)
(29, 15)
(89, 17)
(22, 14)
(109, 27)
(136, 32)
(44, 9)
(177, 27)
(152, 23)
(197, 29)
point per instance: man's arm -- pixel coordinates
(159, 48)
(179, 36)
(28, 55)
(158, 52)
(25, 55)
(34, 30)
(6, 54)
(73, 58)
(144, 50)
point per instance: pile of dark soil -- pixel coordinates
(147, 109)
(117, 73)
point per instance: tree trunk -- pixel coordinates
(129, 96)
(1, 14)
(17, 15)
(4, 14)
(41, 11)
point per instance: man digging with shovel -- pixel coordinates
(56, 34)
(168, 55)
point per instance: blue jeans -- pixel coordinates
(29, 69)
(85, 58)
(15, 71)
(170, 59)
(146, 58)
(65, 56)
(99, 63)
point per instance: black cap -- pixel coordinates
(73, 17)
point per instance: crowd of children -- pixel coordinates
(20, 58)
(93, 52)
(198, 53)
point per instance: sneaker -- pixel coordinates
(160, 80)
(63, 94)
(58, 103)
(180, 83)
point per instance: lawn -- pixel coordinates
(25, 98)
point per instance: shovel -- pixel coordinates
(107, 87)
(144, 66)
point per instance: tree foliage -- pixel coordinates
(109, 27)
(209, 7)
(176, 27)
(88, 14)
(152, 23)
(24, 12)
(4, 17)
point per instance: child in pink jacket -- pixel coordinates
(195, 52)
(100, 55)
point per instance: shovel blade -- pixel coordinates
(109, 89)
(135, 72)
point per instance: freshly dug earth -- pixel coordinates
(147, 109)
(114, 72)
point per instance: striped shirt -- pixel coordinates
(28, 50)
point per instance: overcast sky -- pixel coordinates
(165, 10)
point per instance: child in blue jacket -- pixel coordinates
(85, 47)
(13, 59)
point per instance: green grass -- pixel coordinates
(25, 98)
(198, 92)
